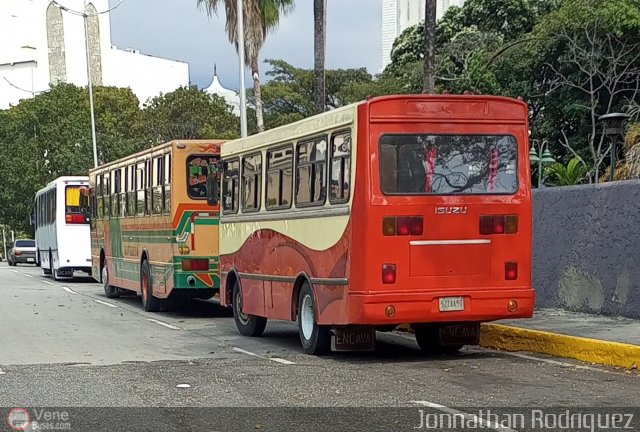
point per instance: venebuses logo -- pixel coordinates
(18, 419)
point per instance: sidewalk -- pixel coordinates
(611, 341)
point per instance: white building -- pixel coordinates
(43, 42)
(231, 97)
(397, 15)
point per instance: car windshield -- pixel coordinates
(25, 243)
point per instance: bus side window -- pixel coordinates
(166, 191)
(158, 182)
(279, 187)
(311, 184)
(140, 189)
(131, 191)
(148, 187)
(251, 182)
(230, 185)
(340, 168)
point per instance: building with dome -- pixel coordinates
(43, 43)
(232, 97)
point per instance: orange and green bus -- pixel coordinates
(154, 225)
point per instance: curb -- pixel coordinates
(509, 338)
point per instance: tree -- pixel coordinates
(49, 136)
(429, 46)
(288, 95)
(319, 41)
(260, 17)
(188, 113)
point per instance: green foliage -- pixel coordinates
(575, 172)
(49, 135)
(189, 113)
(288, 95)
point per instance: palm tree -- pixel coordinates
(260, 17)
(319, 20)
(429, 45)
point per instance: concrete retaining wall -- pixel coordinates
(587, 248)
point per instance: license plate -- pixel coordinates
(463, 333)
(353, 338)
(30, 259)
(451, 304)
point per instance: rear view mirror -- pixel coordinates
(212, 190)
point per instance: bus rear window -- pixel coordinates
(76, 205)
(448, 164)
(199, 168)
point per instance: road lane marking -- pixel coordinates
(172, 327)
(69, 290)
(15, 271)
(28, 275)
(273, 359)
(105, 303)
(47, 282)
(2, 372)
(467, 416)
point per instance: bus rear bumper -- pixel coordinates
(400, 308)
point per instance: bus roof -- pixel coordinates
(343, 116)
(59, 180)
(156, 148)
(347, 115)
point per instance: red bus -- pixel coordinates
(399, 209)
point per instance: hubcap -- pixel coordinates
(243, 317)
(307, 317)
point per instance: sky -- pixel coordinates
(179, 30)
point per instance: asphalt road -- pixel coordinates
(64, 344)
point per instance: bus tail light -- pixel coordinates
(75, 218)
(511, 270)
(402, 226)
(499, 224)
(389, 226)
(199, 264)
(388, 273)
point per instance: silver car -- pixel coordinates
(23, 251)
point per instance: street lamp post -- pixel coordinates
(542, 156)
(613, 128)
(243, 97)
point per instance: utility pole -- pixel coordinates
(319, 42)
(429, 46)
(93, 117)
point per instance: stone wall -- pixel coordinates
(587, 248)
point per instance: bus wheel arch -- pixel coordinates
(300, 281)
(232, 277)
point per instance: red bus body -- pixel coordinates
(444, 245)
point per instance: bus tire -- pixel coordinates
(248, 325)
(109, 290)
(149, 302)
(315, 339)
(429, 342)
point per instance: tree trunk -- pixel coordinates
(319, 18)
(429, 46)
(255, 74)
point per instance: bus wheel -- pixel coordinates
(109, 290)
(315, 339)
(429, 342)
(149, 302)
(248, 325)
